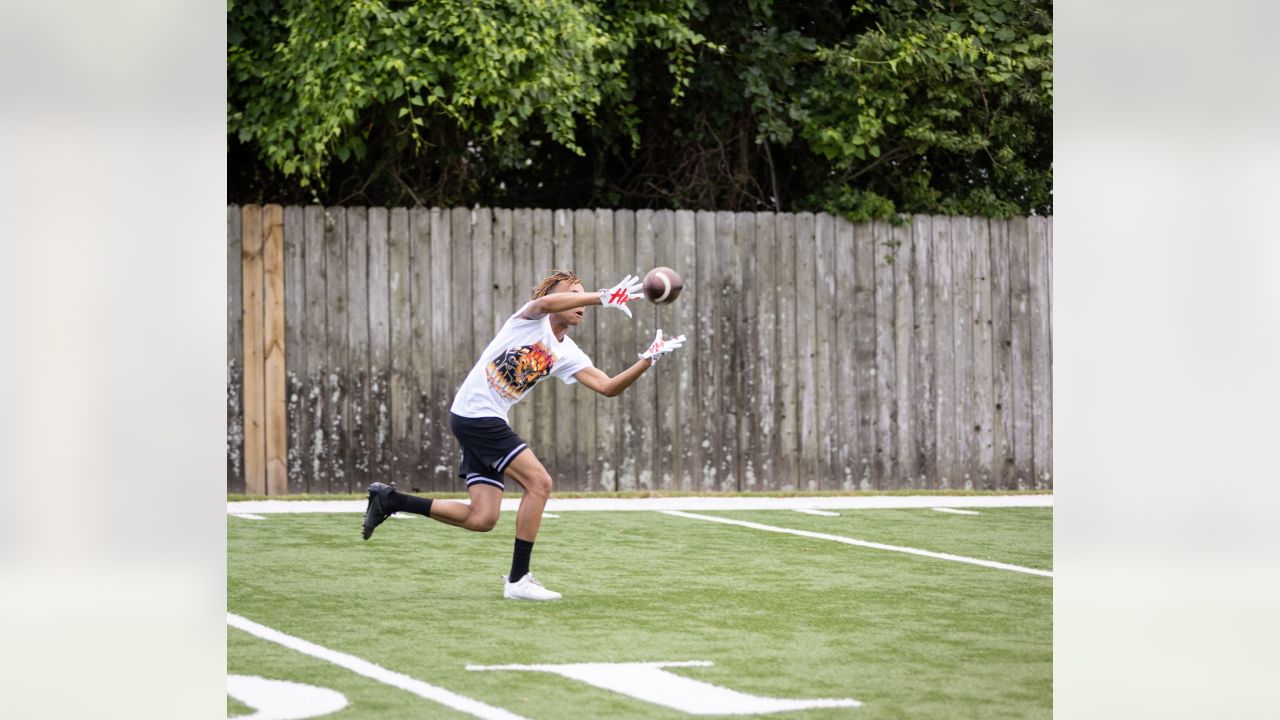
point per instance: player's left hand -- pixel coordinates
(660, 347)
(631, 288)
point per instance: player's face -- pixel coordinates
(569, 317)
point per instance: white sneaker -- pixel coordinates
(527, 588)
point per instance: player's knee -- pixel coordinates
(482, 522)
(539, 485)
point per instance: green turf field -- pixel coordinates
(778, 615)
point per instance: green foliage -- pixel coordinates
(869, 110)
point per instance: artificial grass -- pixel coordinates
(236, 497)
(779, 615)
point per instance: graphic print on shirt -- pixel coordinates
(517, 369)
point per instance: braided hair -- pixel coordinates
(550, 281)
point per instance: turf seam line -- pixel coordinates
(372, 671)
(863, 543)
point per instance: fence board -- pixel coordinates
(644, 413)
(1041, 361)
(728, 354)
(504, 285)
(409, 257)
(542, 401)
(235, 352)
(295, 355)
(864, 351)
(461, 223)
(962, 292)
(704, 350)
(885, 464)
(1002, 358)
(844, 350)
(765, 447)
(922, 390)
(629, 343)
(689, 419)
(483, 286)
(584, 400)
(748, 370)
(358, 347)
(437, 445)
(521, 414)
(667, 467)
(944, 374)
(567, 471)
(273, 349)
(378, 426)
(788, 364)
(1020, 335)
(825, 365)
(604, 273)
(317, 354)
(983, 373)
(904, 361)
(255, 471)
(806, 338)
(336, 384)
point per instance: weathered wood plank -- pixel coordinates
(826, 347)
(295, 355)
(409, 253)
(1002, 358)
(483, 286)
(609, 352)
(567, 471)
(255, 451)
(747, 370)
(806, 311)
(962, 292)
(378, 425)
(983, 373)
(358, 345)
(1041, 359)
(462, 303)
(437, 446)
(667, 458)
(645, 391)
(273, 350)
(337, 384)
(316, 461)
(765, 396)
(845, 409)
(864, 351)
(923, 390)
(787, 366)
(522, 414)
(504, 283)
(728, 353)
(689, 419)
(884, 469)
(1021, 351)
(585, 401)
(904, 363)
(630, 456)
(542, 406)
(235, 352)
(704, 347)
(944, 369)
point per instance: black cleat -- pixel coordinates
(378, 508)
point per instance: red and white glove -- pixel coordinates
(631, 288)
(661, 347)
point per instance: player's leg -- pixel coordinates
(481, 515)
(527, 470)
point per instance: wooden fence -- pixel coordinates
(822, 355)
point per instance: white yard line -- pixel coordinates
(247, 516)
(957, 511)
(694, 504)
(820, 513)
(426, 691)
(863, 543)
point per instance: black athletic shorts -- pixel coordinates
(488, 447)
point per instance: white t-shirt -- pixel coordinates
(523, 353)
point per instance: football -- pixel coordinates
(662, 285)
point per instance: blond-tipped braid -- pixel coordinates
(550, 281)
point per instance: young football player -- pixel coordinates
(532, 345)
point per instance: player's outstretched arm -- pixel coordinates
(630, 288)
(595, 379)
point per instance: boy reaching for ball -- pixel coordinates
(532, 345)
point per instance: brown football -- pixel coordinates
(662, 285)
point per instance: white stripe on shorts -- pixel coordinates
(511, 456)
(474, 478)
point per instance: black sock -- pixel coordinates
(520, 560)
(401, 502)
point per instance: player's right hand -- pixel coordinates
(631, 288)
